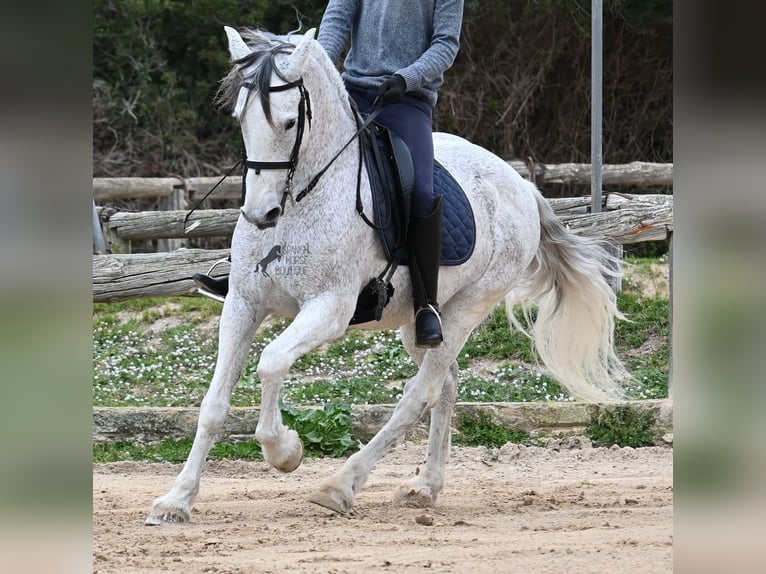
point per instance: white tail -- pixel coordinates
(574, 329)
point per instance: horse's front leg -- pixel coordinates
(320, 320)
(239, 321)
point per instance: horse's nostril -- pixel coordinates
(273, 214)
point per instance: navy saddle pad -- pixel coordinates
(458, 224)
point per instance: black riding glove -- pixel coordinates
(392, 90)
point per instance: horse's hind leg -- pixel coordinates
(237, 327)
(421, 393)
(423, 488)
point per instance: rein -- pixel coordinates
(377, 108)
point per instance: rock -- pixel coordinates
(576, 443)
(424, 519)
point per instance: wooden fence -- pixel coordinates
(635, 173)
(626, 219)
(119, 275)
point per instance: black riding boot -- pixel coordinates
(425, 253)
(218, 286)
(215, 288)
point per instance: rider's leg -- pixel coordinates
(412, 120)
(425, 252)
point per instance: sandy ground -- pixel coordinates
(516, 509)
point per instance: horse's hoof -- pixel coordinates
(414, 496)
(290, 462)
(165, 518)
(333, 499)
(293, 462)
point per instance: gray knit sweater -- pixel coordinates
(417, 39)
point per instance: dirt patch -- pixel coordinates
(517, 509)
(651, 282)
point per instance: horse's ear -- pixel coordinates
(293, 68)
(237, 47)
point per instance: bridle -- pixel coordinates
(304, 113)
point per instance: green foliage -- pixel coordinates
(172, 450)
(192, 306)
(623, 426)
(647, 325)
(647, 317)
(647, 249)
(131, 368)
(325, 432)
(157, 65)
(153, 352)
(138, 362)
(495, 340)
(481, 430)
(532, 62)
(355, 390)
(511, 383)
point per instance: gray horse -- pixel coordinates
(523, 255)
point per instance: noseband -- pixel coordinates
(304, 112)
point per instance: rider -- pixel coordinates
(399, 51)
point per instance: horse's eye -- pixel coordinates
(290, 125)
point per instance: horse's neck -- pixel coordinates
(338, 127)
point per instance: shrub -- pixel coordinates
(623, 426)
(481, 430)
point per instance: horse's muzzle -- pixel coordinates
(265, 222)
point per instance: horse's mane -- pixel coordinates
(260, 65)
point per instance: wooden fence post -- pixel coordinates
(670, 313)
(176, 201)
(99, 243)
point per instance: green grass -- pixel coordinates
(648, 323)
(172, 450)
(495, 340)
(139, 362)
(155, 352)
(481, 430)
(324, 432)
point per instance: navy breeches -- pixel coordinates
(412, 120)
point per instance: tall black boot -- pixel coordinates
(217, 286)
(425, 253)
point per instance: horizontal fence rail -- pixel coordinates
(635, 173)
(121, 277)
(626, 219)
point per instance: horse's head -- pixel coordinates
(275, 121)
